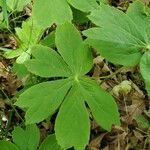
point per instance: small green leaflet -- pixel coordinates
(97, 99)
(78, 57)
(47, 99)
(5, 145)
(28, 36)
(50, 63)
(72, 123)
(26, 139)
(20, 70)
(74, 60)
(122, 38)
(50, 143)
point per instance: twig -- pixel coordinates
(113, 74)
(11, 104)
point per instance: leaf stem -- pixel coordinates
(113, 74)
(11, 104)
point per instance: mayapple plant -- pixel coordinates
(74, 95)
(123, 38)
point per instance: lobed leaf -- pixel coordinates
(26, 139)
(47, 63)
(72, 126)
(75, 53)
(43, 99)
(102, 105)
(119, 38)
(70, 94)
(118, 49)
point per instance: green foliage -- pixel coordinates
(59, 10)
(79, 16)
(122, 38)
(4, 15)
(17, 5)
(52, 11)
(20, 70)
(28, 36)
(5, 145)
(28, 139)
(74, 91)
(62, 59)
(50, 143)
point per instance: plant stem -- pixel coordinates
(113, 74)
(11, 104)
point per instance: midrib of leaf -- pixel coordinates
(121, 42)
(145, 39)
(129, 33)
(51, 66)
(125, 30)
(79, 101)
(130, 28)
(61, 87)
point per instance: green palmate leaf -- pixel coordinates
(145, 69)
(84, 5)
(72, 124)
(102, 105)
(28, 36)
(49, 64)
(76, 54)
(113, 46)
(43, 99)
(70, 94)
(5, 145)
(17, 5)
(119, 39)
(52, 11)
(50, 143)
(26, 139)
